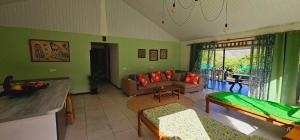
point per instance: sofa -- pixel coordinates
(132, 87)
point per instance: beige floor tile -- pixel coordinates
(94, 114)
(129, 113)
(121, 125)
(133, 121)
(76, 134)
(99, 136)
(271, 132)
(127, 135)
(100, 120)
(77, 125)
(98, 129)
(147, 134)
(93, 107)
(115, 116)
(109, 137)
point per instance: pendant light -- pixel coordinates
(163, 13)
(173, 7)
(226, 28)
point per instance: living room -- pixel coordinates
(157, 54)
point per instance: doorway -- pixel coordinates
(227, 68)
(104, 65)
(100, 62)
(99, 56)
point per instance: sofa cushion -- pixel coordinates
(169, 74)
(185, 85)
(155, 77)
(142, 80)
(192, 78)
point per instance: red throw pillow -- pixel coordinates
(192, 78)
(155, 77)
(142, 79)
(169, 74)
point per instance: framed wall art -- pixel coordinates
(153, 55)
(141, 53)
(49, 51)
(163, 53)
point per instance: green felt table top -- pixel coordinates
(272, 109)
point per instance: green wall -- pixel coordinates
(130, 64)
(15, 56)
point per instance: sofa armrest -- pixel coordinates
(129, 86)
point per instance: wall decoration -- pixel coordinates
(153, 55)
(163, 53)
(49, 51)
(141, 53)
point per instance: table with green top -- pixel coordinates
(275, 113)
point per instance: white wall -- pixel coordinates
(122, 20)
(114, 65)
(80, 16)
(185, 57)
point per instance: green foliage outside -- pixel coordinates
(238, 64)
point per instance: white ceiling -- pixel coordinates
(8, 1)
(243, 15)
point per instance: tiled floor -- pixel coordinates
(105, 116)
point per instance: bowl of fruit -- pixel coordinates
(20, 89)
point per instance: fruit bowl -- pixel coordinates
(27, 88)
(22, 92)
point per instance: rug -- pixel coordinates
(145, 101)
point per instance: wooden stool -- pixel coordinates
(70, 113)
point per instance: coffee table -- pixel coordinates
(171, 90)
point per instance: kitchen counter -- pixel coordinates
(44, 101)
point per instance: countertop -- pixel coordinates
(44, 101)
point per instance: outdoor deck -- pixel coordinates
(219, 86)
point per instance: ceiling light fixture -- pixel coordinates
(172, 9)
(163, 13)
(170, 13)
(226, 28)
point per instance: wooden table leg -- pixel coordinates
(139, 124)
(159, 97)
(178, 93)
(70, 111)
(154, 93)
(207, 105)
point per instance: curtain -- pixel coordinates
(201, 60)
(298, 87)
(284, 77)
(207, 68)
(261, 66)
(277, 68)
(194, 56)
